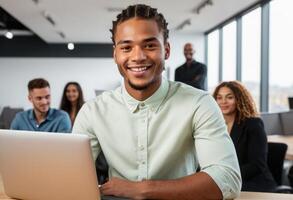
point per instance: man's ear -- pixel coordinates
(167, 50)
(114, 54)
(29, 97)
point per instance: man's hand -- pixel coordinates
(123, 188)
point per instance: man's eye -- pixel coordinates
(125, 48)
(150, 46)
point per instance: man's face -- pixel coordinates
(41, 99)
(188, 52)
(140, 53)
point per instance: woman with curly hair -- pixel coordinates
(247, 132)
(72, 99)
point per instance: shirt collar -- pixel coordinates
(48, 117)
(152, 102)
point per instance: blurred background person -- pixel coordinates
(41, 117)
(247, 132)
(72, 99)
(191, 72)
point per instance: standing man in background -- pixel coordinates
(192, 73)
(41, 117)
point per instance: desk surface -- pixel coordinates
(287, 139)
(243, 195)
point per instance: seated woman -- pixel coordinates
(72, 99)
(247, 132)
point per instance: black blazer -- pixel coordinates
(250, 142)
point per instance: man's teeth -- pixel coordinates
(138, 69)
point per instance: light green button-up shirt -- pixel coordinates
(167, 136)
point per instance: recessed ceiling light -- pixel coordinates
(9, 35)
(70, 46)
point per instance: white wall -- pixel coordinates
(90, 73)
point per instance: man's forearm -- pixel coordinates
(197, 186)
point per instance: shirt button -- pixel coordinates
(143, 162)
(141, 148)
(142, 104)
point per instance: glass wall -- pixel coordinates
(229, 52)
(281, 62)
(213, 60)
(277, 83)
(251, 42)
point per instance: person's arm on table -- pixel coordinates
(198, 186)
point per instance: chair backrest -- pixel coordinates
(287, 119)
(275, 160)
(272, 123)
(7, 116)
(290, 101)
(102, 168)
(290, 176)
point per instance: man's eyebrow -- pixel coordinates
(123, 42)
(151, 39)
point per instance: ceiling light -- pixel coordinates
(49, 17)
(205, 3)
(70, 46)
(9, 34)
(183, 24)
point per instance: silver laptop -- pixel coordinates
(47, 166)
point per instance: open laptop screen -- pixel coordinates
(46, 166)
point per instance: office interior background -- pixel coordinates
(247, 40)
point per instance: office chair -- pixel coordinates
(102, 168)
(290, 176)
(275, 161)
(7, 116)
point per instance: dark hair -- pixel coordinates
(144, 12)
(245, 105)
(37, 83)
(65, 103)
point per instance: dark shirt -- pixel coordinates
(250, 142)
(193, 75)
(56, 121)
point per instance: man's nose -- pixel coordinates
(44, 101)
(138, 54)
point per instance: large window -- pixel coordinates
(263, 54)
(213, 60)
(251, 41)
(229, 52)
(281, 62)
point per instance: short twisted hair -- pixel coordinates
(144, 12)
(245, 105)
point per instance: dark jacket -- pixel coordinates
(250, 142)
(193, 75)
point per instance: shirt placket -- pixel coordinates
(142, 143)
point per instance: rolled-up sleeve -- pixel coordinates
(215, 150)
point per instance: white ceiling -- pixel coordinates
(89, 21)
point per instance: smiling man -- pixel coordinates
(156, 133)
(41, 117)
